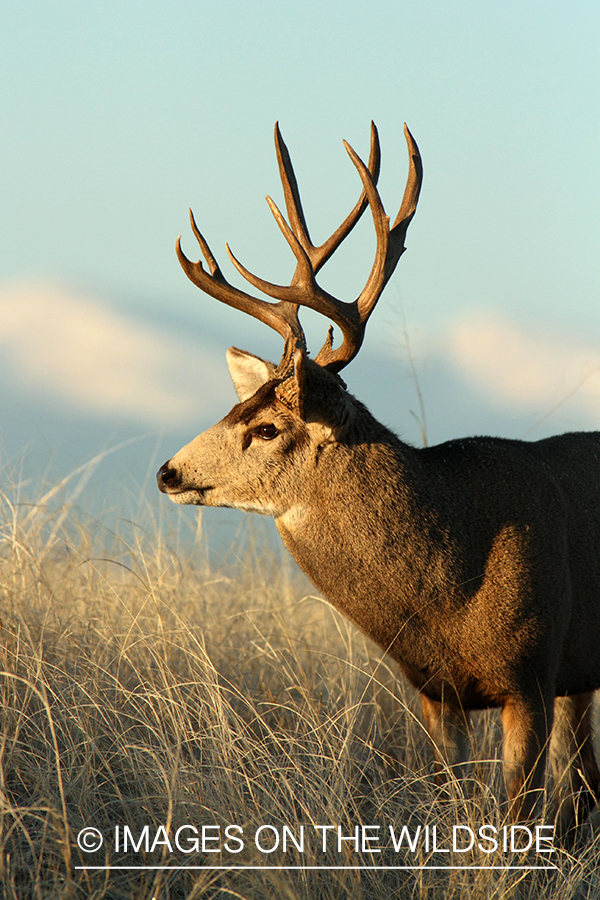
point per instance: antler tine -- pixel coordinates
(390, 247)
(303, 290)
(319, 255)
(282, 316)
(411, 195)
(352, 317)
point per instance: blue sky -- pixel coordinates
(118, 116)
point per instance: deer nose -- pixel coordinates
(167, 477)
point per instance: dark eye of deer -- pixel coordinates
(267, 432)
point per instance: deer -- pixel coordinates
(474, 564)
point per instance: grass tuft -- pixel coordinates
(144, 688)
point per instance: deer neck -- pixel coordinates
(352, 531)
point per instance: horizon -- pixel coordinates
(115, 123)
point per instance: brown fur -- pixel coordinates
(475, 564)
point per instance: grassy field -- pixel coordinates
(147, 691)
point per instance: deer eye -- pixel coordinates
(267, 432)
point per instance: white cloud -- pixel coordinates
(73, 348)
(525, 369)
(62, 345)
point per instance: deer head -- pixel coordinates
(244, 460)
(474, 564)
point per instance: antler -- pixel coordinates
(303, 289)
(319, 255)
(282, 316)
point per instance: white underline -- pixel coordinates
(317, 868)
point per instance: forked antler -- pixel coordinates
(351, 317)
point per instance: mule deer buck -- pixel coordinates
(475, 564)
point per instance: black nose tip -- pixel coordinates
(167, 477)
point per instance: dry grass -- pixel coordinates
(142, 687)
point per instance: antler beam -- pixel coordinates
(303, 290)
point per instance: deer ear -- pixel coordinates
(248, 372)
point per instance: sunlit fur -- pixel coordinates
(475, 563)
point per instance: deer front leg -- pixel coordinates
(527, 727)
(448, 728)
